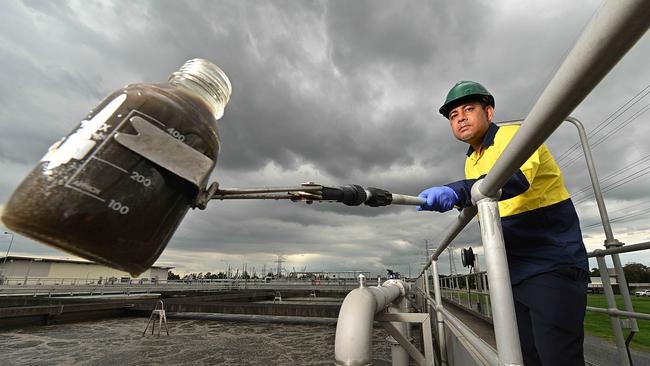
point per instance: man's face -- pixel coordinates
(469, 121)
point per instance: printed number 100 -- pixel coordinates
(119, 207)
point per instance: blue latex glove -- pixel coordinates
(439, 199)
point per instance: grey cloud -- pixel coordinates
(345, 91)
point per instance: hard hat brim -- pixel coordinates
(447, 107)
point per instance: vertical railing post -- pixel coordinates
(610, 241)
(469, 292)
(399, 355)
(503, 307)
(617, 330)
(624, 290)
(426, 289)
(442, 345)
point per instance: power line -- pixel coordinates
(622, 218)
(627, 208)
(614, 174)
(604, 123)
(625, 180)
(609, 134)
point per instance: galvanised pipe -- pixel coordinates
(613, 30)
(426, 288)
(442, 340)
(610, 241)
(617, 250)
(399, 355)
(616, 312)
(614, 319)
(598, 193)
(484, 349)
(251, 318)
(352, 345)
(503, 307)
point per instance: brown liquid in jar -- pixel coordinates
(113, 206)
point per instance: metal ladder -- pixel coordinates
(158, 313)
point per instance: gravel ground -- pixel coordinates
(602, 353)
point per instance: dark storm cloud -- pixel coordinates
(331, 91)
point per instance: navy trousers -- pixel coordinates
(550, 309)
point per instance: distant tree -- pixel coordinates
(210, 276)
(636, 273)
(173, 276)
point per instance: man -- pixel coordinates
(546, 256)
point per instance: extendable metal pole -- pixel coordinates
(611, 304)
(503, 307)
(442, 345)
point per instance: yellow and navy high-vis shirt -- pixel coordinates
(540, 225)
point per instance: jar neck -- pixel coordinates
(207, 81)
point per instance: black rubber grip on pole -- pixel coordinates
(379, 197)
(351, 195)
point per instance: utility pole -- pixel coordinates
(452, 265)
(11, 241)
(279, 265)
(426, 251)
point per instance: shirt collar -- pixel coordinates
(488, 138)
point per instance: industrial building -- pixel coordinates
(18, 270)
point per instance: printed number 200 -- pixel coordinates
(141, 179)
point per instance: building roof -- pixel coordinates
(63, 260)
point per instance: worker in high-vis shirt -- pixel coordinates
(546, 256)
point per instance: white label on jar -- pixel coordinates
(79, 143)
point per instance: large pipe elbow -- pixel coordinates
(352, 346)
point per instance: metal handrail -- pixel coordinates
(613, 30)
(594, 254)
(617, 250)
(465, 216)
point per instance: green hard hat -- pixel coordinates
(465, 91)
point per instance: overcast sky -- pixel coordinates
(334, 92)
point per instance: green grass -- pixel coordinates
(599, 325)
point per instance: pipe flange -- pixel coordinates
(477, 195)
(403, 287)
